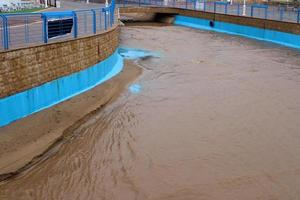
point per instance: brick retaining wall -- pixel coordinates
(25, 68)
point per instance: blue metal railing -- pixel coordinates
(22, 29)
(220, 4)
(35, 28)
(281, 13)
(17, 30)
(2, 32)
(264, 8)
(85, 22)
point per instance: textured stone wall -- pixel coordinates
(24, 68)
(248, 21)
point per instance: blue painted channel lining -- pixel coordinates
(46, 95)
(282, 38)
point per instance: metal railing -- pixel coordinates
(2, 21)
(264, 11)
(27, 29)
(23, 29)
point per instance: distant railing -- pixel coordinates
(26, 29)
(2, 21)
(279, 13)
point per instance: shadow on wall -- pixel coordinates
(164, 18)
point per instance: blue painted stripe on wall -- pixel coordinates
(33, 100)
(282, 38)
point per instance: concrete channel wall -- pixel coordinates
(25, 68)
(287, 27)
(37, 77)
(34, 78)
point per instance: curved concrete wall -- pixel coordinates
(283, 33)
(287, 27)
(32, 79)
(24, 68)
(282, 38)
(35, 99)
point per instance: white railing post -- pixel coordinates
(244, 8)
(165, 2)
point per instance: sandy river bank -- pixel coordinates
(215, 117)
(37, 134)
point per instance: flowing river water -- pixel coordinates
(214, 117)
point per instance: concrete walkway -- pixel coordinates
(76, 5)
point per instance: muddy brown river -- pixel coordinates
(215, 117)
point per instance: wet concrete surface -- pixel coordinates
(215, 117)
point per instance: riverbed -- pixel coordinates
(214, 116)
